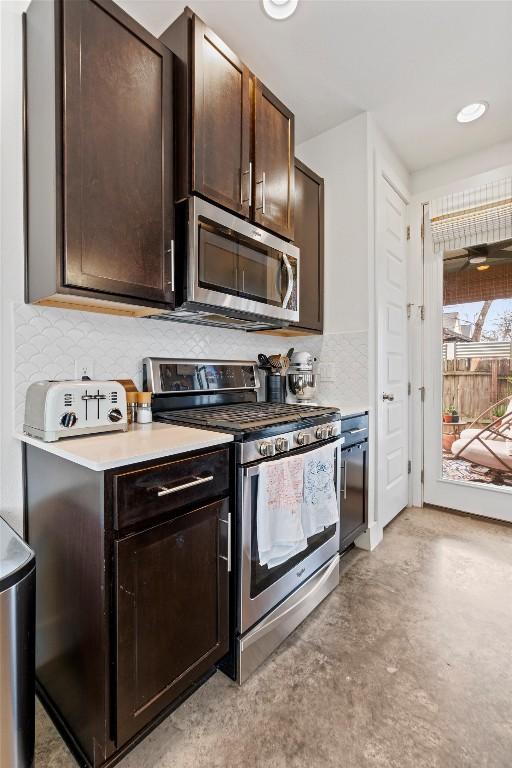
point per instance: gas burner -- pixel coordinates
(244, 417)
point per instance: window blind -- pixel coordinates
(472, 217)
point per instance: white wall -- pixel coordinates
(462, 172)
(11, 245)
(340, 157)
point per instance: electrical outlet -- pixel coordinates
(84, 367)
(326, 371)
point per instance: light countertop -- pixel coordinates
(142, 442)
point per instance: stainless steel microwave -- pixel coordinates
(230, 272)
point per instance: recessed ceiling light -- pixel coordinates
(279, 9)
(472, 112)
(477, 259)
(482, 267)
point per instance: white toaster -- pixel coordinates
(55, 409)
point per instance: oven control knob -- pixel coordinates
(303, 438)
(320, 433)
(115, 415)
(282, 445)
(68, 419)
(330, 430)
(267, 448)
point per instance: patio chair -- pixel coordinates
(489, 446)
(499, 429)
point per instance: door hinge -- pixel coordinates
(409, 387)
(408, 232)
(422, 391)
(409, 467)
(422, 311)
(422, 476)
(422, 230)
(409, 309)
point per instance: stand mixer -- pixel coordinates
(301, 379)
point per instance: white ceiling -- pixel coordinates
(413, 64)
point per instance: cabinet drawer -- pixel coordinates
(354, 429)
(141, 494)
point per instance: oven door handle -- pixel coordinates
(252, 471)
(255, 469)
(291, 281)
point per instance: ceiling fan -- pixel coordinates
(480, 256)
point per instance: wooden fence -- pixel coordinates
(472, 391)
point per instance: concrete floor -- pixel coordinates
(407, 663)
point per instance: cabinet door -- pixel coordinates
(353, 504)
(117, 160)
(274, 150)
(309, 237)
(172, 611)
(221, 125)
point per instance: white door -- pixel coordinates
(392, 369)
(477, 499)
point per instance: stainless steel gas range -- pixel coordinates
(272, 598)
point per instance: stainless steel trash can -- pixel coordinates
(17, 642)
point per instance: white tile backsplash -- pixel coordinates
(48, 342)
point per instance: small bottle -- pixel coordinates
(144, 412)
(131, 407)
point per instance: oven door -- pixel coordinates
(236, 266)
(262, 588)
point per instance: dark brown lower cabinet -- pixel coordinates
(172, 611)
(132, 603)
(354, 493)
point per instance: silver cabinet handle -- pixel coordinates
(290, 281)
(171, 251)
(223, 557)
(355, 431)
(345, 480)
(246, 173)
(196, 481)
(387, 396)
(262, 182)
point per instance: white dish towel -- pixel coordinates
(320, 506)
(280, 498)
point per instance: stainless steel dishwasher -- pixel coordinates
(17, 622)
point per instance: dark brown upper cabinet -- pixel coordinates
(235, 139)
(309, 237)
(221, 123)
(274, 148)
(99, 151)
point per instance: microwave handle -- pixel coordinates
(290, 280)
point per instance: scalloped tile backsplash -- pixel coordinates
(48, 341)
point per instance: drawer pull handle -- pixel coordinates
(196, 481)
(355, 431)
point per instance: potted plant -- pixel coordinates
(447, 417)
(454, 414)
